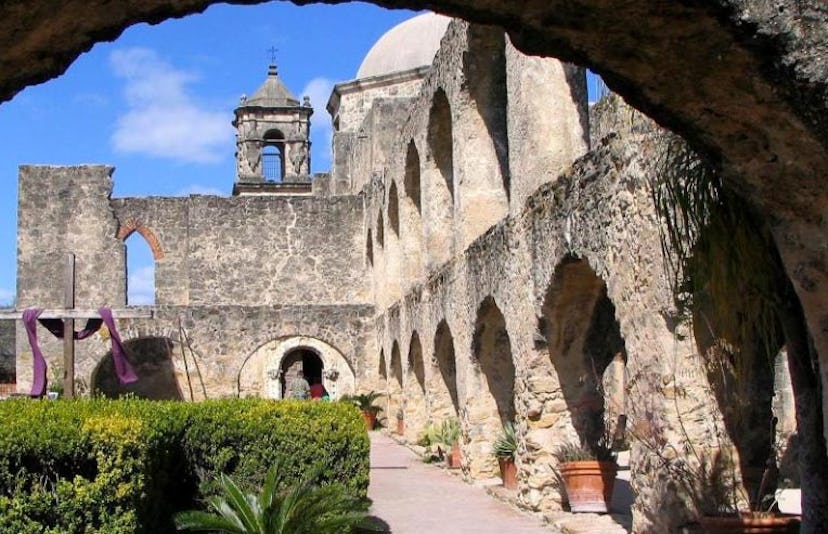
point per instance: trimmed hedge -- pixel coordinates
(126, 466)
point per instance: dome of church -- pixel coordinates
(408, 45)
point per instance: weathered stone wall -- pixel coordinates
(357, 97)
(514, 270)
(254, 250)
(220, 345)
(548, 121)
(264, 268)
(372, 146)
(567, 295)
(459, 134)
(65, 210)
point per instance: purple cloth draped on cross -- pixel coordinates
(123, 369)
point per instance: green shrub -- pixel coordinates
(124, 466)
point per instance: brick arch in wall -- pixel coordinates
(131, 226)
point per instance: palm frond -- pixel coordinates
(198, 521)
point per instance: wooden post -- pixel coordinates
(69, 329)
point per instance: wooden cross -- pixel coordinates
(68, 314)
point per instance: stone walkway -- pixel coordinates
(415, 498)
(412, 497)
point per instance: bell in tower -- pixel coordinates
(272, 140)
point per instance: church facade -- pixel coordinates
(483, 248)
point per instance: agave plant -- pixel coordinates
(580, 452)
(449, 432)
(505, 445)
(297, 509)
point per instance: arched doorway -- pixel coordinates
(301, 360)
(263, 372)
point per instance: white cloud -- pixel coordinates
(6, 297)
(163, 119)
(196, 189)
(319, 90)
(141, 286)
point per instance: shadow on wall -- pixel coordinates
(152, 360)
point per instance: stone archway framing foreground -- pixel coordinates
(742, 80)
(258, 375)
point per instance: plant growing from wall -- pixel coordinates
(728, 277)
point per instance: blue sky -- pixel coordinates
(157, 104)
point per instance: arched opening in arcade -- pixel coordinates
(416, 411)
(490, 397)
(587, 352)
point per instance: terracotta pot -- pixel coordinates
(508, 472)
(589, 485)
(370, 419)
(750, 523)
(400, 427)
(454, 459)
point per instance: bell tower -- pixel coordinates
(272, 140)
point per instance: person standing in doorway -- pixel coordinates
(317, 391)
(299, 388)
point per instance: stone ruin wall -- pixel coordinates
(554, 248)
(238, 272)
(251, 251)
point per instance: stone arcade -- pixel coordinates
(483, 247)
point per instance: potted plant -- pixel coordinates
(723, 503)
(449, 435)
(400, 422)
(588, 474)
(365, 403)
(712, 480)
(505, 447)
